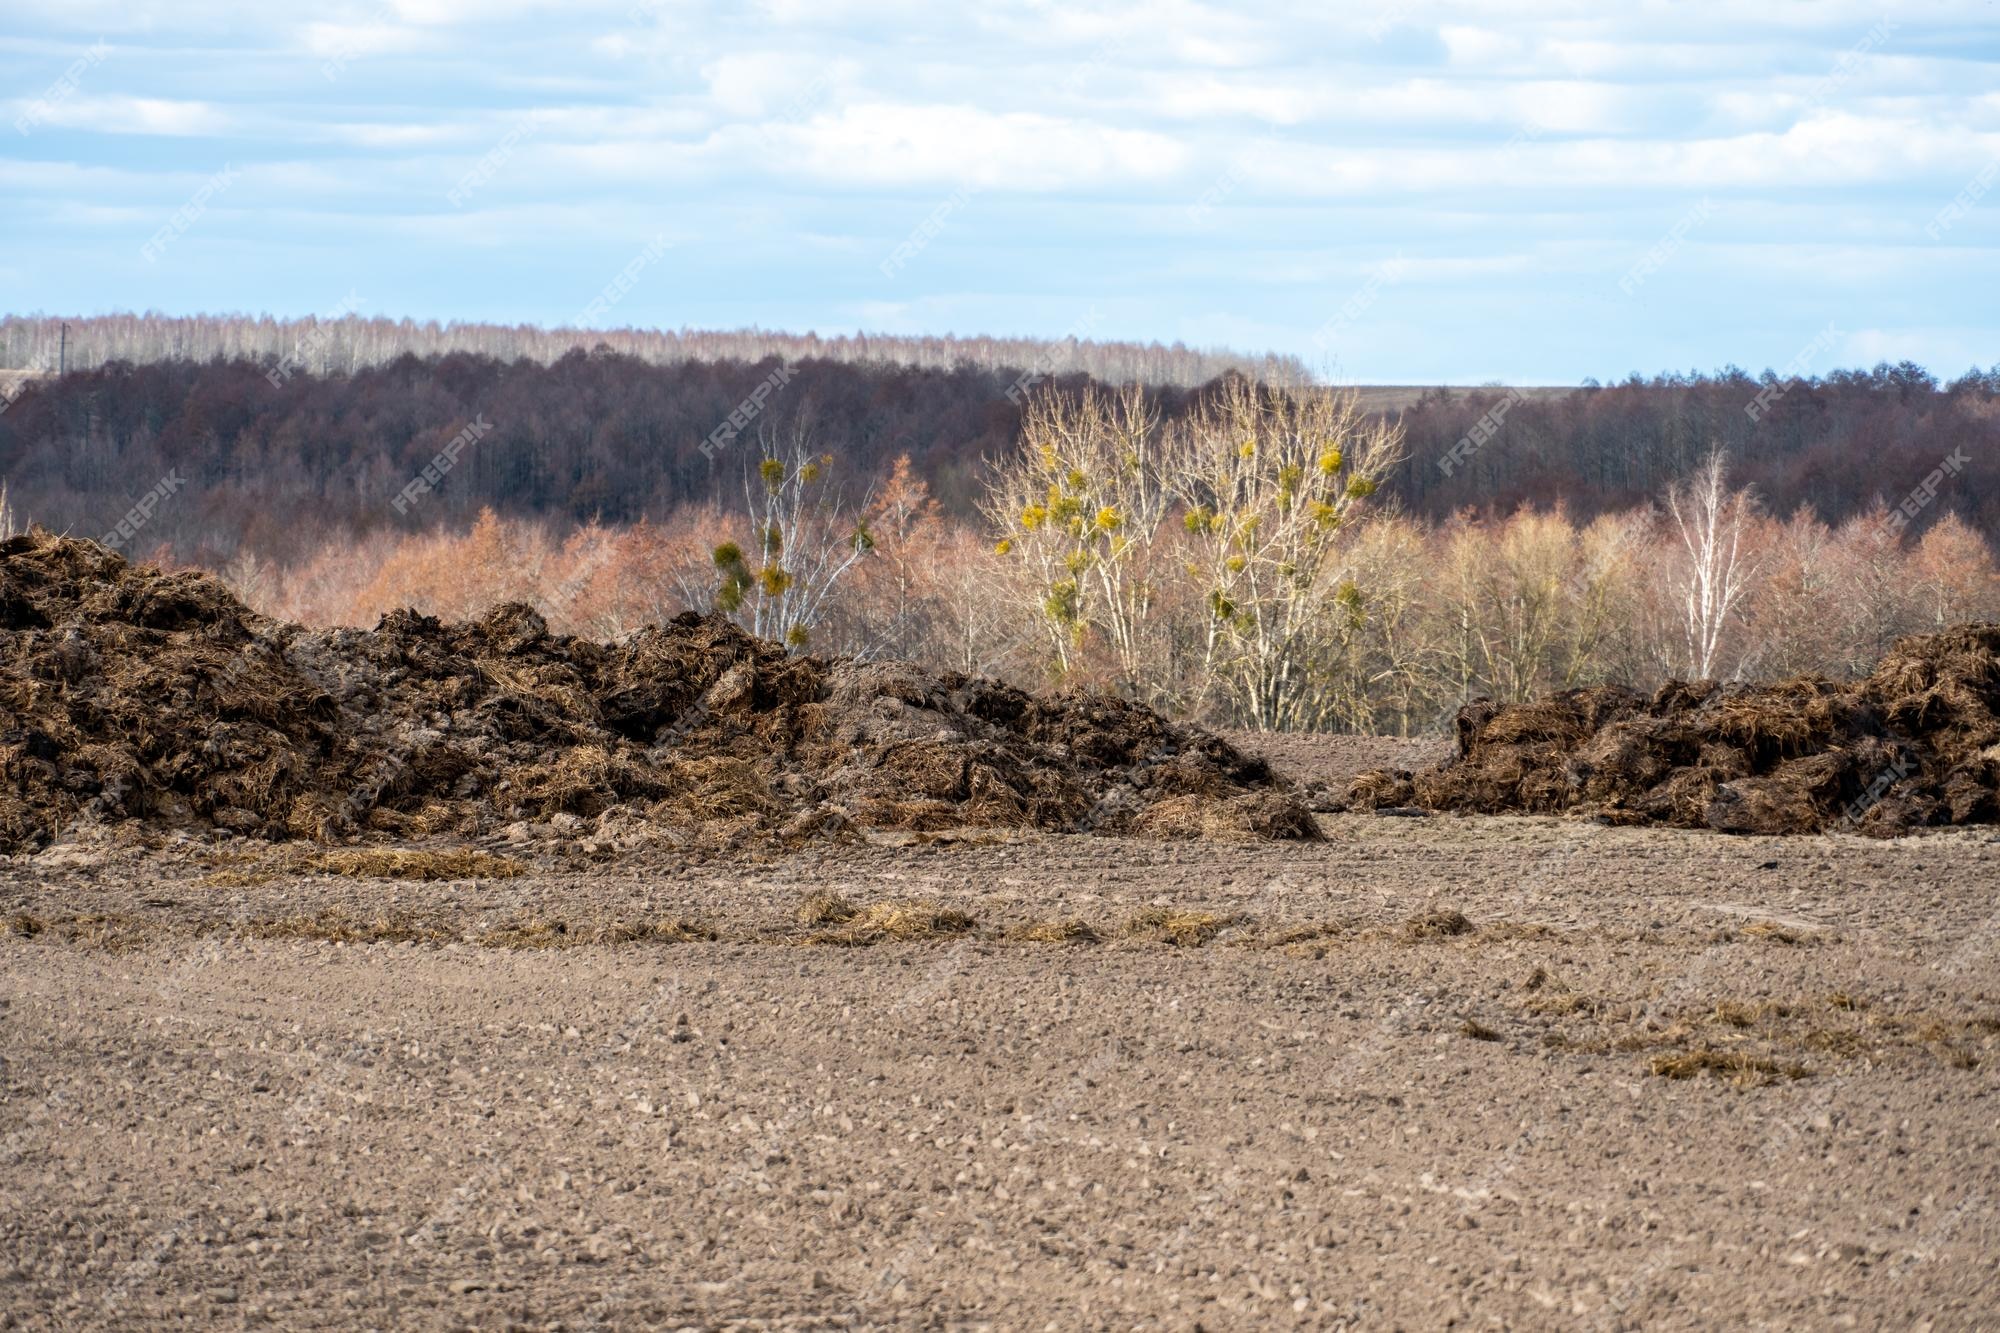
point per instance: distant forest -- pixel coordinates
(283, 466)
(345, 343)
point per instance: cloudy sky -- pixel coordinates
(1535, 192)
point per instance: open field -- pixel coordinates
(1116, 669)
(1493, 1070)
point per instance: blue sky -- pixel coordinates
(1398, 192)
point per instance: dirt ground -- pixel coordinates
(1472, 1071)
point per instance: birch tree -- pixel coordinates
(1713, 570)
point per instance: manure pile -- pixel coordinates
(1915, 744)
(129, 694)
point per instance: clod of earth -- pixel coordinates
(131, 694)
(1915, 744)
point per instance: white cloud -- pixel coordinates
(363, 135)
(348, 41)
(1274, 101)
(1482, 48)
(127, 217)
(878, 14)
(1828, 150)
(446, 13)
(131, 115)
(757, 83)
(887, 144)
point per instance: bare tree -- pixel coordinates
(1078, 505)
(800, 548)
(1714, 569)
(1268, 479)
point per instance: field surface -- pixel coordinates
(1480, 1071)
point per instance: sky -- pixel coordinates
(1397, 192)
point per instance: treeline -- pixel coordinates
(284, 467)
(342, 343)
(1836, 443)
(283, 461)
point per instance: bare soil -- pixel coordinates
(1495, 1070)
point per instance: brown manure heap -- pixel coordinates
(131, 694)
(1914, 745)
